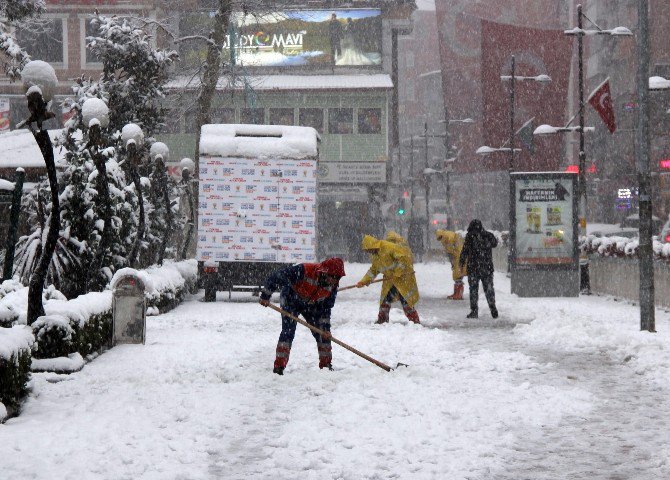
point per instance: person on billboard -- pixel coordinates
(352, 54)
(310, 290)
(335, 30)
(394, 262)
(478, 258)
(453, 246)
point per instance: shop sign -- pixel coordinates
(343, 193)
(352, 172)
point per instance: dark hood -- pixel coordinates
(475, 226)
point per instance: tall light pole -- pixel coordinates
(579, 32)
(485, 150)
(647, 309)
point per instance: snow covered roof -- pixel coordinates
(259, 141)
(297, 82)
(18, 148)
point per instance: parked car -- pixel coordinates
(664, 237)
(611, 230)
(633, 221)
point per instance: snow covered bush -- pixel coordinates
(54, 336)
(15, 353)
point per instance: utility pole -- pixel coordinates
(585, 283)
(510, 167)
(426, 179)
(647, 311)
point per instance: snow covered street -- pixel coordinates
(554, 388)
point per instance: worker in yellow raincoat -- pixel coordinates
(394, 262)
(396, 238)
(453, 245)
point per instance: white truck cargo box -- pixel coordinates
(257, 194)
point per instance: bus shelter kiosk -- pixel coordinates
(544, 248)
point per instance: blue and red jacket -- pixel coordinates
(299, 287)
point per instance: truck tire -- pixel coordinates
(210, 294)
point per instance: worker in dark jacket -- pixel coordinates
(478, 258)
(309, 289)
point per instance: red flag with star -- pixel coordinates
(601, 100)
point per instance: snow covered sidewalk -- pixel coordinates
(555, 388)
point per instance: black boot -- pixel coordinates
(494, 312)
(278, 370)
(473, 314)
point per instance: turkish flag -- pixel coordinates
(601, 100)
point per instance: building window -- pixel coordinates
(91, 30)
(341, 120)
(43, 39)
(255, 116)
(311, 117)
(223, 115)
(370, 120)
(281, 116)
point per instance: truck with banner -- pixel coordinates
(544, 256)
(257, 203)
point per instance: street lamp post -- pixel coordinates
(579, 32)
(486, 150)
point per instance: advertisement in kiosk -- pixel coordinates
(544, 221)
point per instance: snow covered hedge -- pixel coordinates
(15, 351)
(621, 247)
(84, 324)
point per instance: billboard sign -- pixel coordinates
(343, 37)
(544, 211)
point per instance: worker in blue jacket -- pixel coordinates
(309, 289)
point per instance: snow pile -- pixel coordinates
(159, 149)
(259, 141)
(132, 131)
(83, 307)
(15, 340)
(38, 73)
(72, 363)
(19, 150)
(95, 109)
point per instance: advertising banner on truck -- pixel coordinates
(257, 210)
(544, 214)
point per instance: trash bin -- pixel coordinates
(128, 310)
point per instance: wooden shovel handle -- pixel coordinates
(325, 334)
(356, 286)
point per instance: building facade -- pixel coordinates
(613, 186)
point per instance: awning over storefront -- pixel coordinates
(294, 82)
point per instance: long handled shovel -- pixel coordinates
(355, 286)
(325, 334)
(374, 281)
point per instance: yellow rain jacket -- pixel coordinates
(394, 262)
(453, 244)
(396, 238)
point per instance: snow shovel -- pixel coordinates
(374, 281)
(381, 365)
(355, 286)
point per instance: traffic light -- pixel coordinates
(402, 203)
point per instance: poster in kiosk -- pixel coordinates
(544, 253)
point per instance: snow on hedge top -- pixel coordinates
(6, 185)
(19, 149)
(15, 339)
(259, 141)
